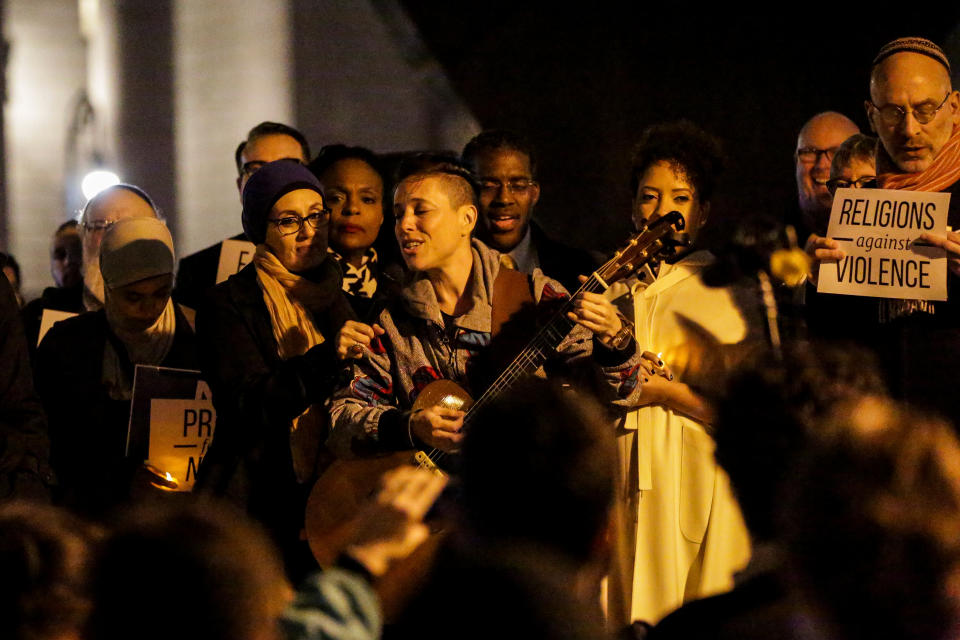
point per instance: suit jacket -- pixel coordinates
(559, 261)
(197, 274)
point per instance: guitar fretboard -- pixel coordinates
(540, 348)
(643, 247)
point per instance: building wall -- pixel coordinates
(174, 85)
(364, 77)
(45, 71)
(231, 72)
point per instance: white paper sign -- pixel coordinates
(49, 318)
(180, 434)
(234, 255)
(878, 230)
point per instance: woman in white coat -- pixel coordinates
(680, 533)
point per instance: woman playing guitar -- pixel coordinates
(443, 320)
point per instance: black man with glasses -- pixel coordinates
(505, 165)
(266, 142)
(267, 337)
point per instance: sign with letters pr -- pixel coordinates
(172, 421)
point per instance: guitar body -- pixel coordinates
(346, 484)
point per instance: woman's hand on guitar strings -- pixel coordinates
(438, 427)
(354, 337)
(389, 527)
(596, 313)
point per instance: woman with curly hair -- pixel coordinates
(682, 535)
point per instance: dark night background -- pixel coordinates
(583, 84)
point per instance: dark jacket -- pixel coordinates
(257, 395)
(88, 429)
(559, 261)
(55, 298)
(24, 446)
(197, 274)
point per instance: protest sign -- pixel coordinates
(172, 421)
(49, 318)
(878, 230)
(234, 255)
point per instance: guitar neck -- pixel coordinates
(646, 245)
(543, 344)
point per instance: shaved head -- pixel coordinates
(821, 134)
(912, 81)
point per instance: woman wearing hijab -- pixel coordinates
(85, 364)
(267, 339)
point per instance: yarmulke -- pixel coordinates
(134, 249)
(270, 183)
(913, 45)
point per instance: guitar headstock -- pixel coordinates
(651, 242)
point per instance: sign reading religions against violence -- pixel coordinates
(172, 421)
(878, 230)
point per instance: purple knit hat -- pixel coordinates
(270, 183)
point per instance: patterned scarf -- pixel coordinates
(295, 333)
(942, 172)
(359, 281)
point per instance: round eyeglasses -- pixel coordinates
(893, 114)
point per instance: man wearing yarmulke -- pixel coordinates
(915, 112)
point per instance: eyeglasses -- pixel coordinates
(811, 155)
(519, 186)
(250, 168)
(289, 225)
(842, 183)
(893, 114)
(98, 225)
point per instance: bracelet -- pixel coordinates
(622, 338)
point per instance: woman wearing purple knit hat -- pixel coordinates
(267, 337)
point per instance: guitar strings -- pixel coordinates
(593, 284)
(520, 365)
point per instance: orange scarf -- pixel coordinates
(942, 172)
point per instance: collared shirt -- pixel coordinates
(525, 254)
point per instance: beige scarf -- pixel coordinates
(148, 347)
(295, 333)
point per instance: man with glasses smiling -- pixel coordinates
(505, 165)
(817, 142)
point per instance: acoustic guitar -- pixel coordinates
(346, 484)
